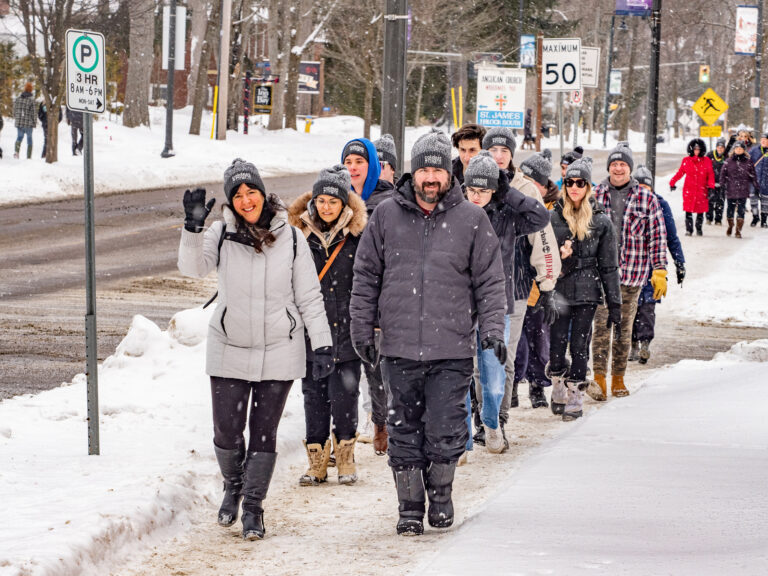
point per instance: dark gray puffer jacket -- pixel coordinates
(427, 279)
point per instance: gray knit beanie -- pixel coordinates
(499, 137)
(355, 147)
(644, 176)
(720, 142)
(385, 147)
(581, 168)
(538, 167)
(333, 182)
(432, 150)
(240, 172)
(621, 153)
(482, 172)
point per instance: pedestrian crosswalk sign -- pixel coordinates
(710, 106)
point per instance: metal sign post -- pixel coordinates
(85, 93)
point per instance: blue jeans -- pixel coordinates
(492, 378)
(469, 444)
(20, 132)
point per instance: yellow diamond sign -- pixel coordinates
(710, 106)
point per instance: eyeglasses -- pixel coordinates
(479, 192)
(578, 182)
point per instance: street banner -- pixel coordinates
(633, 7)
(181, 35)
(501, 97)
(746, 30)
(309, 78)
(528, 51)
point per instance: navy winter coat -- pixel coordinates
(759, 157)
(674, 246)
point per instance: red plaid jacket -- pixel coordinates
(644, 235)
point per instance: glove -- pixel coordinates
(710, 193)
(673, 188)
(196, 210)
(614, 316)
(659, 283)
(367, 352)
(322, 363)
(546, 302)
(680, 269)
(499, 348)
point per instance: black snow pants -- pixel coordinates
(233, 399)
(645, 321)
(575, 326)
(332, 397)
(716, 206)
(427, 418)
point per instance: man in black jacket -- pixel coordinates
(428, 268)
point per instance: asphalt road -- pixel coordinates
(42, 275)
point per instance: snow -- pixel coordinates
(669, 480)
(129, 158)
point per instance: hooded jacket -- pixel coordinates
(699, 178)
(336, 285)
(673, 244)
(374, 168)
(759, 157)
(265, 301)
(383, 190)
(593, 268)
(427, 279)
(738, 177)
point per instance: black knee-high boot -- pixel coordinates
(259, 467)
(231, 466)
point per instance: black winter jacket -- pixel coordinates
(336, 285)
(593, 268)
(382, 191)
(427, 279)
(512, 215)
(738, 176)
(717, 165)
(458, 169)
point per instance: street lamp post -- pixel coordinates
(168, 150)
(653, 89)
(608, 80)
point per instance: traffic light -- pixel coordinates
(704, 74)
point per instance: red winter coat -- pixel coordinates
(699, 177)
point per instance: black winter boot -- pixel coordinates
(755, 220)
(410, 495)
(645, 353)
(513, 401)
(536, 394)
(479, 437)
(231, 466)
(439, 488)
(763, 217)
(259, 467)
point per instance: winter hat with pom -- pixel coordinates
(581, 168)
(240, 172)
(621, 153)
(499, 136)
(538, 167)
(333, 182)
(432, 150)
(644, 176)
(570, 157)
(482, 172)
(385, 148)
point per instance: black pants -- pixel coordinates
(645, 321)
(332, 397)
(578, 320)
(230, 400)
(716, 205)
(378, 391)
(689, 221)
(76, 145)
(427, 418)
(533, 349)
(739, 205)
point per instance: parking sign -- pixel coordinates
(85, 71)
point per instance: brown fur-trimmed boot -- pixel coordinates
(729, 231)
(318, 457)
(598, 389)
(345, 459)
(618, 390)
(739, 226)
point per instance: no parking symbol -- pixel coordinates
(85, 71)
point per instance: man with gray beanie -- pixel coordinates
(642, 240)
(385, 148)
(537, 264)
(428, 270)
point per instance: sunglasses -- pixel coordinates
(578, 182)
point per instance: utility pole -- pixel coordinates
(520, 25)
(393, 72)
(608, 80)
(758, 66)
(653, 89)
(168, 150)
(223, 76)
(537, 130)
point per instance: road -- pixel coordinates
(42, 285)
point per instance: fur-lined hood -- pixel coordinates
(354, 216)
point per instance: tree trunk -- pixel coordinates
(201, 84)
(198, 28)
(141, 36)
(278, 36)
(417, 119)
(291, 92)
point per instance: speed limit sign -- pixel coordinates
(561, 64)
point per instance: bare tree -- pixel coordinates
(142, 26)
(199, 24)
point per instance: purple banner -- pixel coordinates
(633, 7)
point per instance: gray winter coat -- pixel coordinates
(428, 279)
(265, 301)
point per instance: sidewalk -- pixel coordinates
(672, 480)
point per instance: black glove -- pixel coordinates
(673, 188)
(367, 352)
(499, 348)
(614, 316)
(711, 193)
(680, 268)
(322, 364)
(196, 210)
(546, 302)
